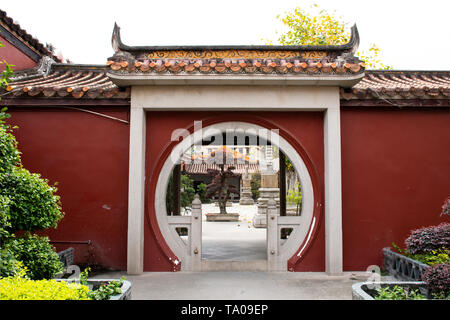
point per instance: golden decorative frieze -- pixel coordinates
(314, 54)
(235, 54)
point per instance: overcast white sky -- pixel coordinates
(412, 35)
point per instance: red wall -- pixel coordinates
(395, 178)
(306, 127)
(395, 169)
(88, 156)
(15, 57)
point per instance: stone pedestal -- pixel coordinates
(246, 190)
(260, 219)
(269, 190)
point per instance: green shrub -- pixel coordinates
(19, 287)
(107, 290)
(104, 291)
(255, 184)
(187, 191)
(433, 257)
(5, 218)
(201, 190)
(398, 293)
(38, 255)
(437, 277)
(7, 262)
(294, 197)
(33, 203)
(9, 154)
(428, 239)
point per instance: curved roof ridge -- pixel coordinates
(350, 46)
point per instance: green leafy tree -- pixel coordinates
(7, 73)
(33, 204)
(294, 197)
(187, 191)
(201, 190)
(320, 27)
(27, 203)
(255, 184)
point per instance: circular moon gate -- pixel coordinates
(300, 237)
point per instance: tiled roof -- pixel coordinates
(92, 82)
(202, 168)
(237, 65)
(219, 152)
(22, 34)
(401, 85)
(329, 60)
(67, 80)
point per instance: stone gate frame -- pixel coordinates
(236, 98)
(236, 78)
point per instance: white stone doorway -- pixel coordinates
(269, 253)
(319, 96)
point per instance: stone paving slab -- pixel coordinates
(240, 285)
(233, 240)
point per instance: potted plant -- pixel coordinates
(21, 286)
(435, 285)
(422, 269)
(425, 247)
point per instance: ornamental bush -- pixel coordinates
(5, 223)
(429, 239)
(432, 258)
(19, 287)
(38, 256)
(33, 204)
(9, 154)
(7, 262)
(28, 203)
(437, 277)
(398, 293)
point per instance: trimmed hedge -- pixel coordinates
(19, 287)
(9, 154)
(33, 204)
(429, 239)
(437, 277)
(38, 256)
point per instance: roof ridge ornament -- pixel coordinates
(115, 39)
(41, 69)
(334, 65)
(351, 46)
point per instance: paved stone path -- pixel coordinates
(240, 285)
(233, 240)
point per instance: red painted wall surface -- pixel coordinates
(14, 56)
(395, 169)
(395, 178)
(88, 156)
(307, 127)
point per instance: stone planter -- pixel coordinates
(367, 290)
(402, 267)
(95, 283)
(222, 217)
